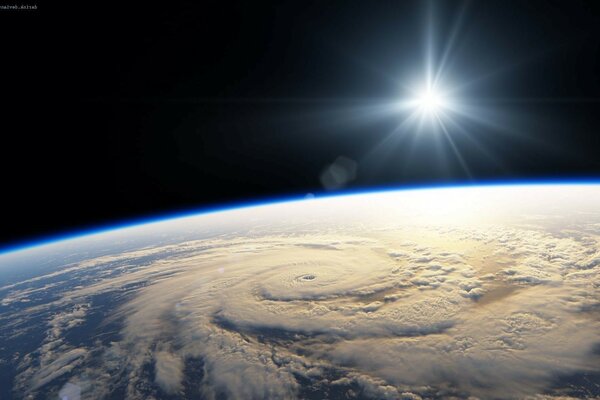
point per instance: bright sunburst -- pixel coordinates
(441, 104)
(430, 102)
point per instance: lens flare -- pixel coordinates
(430, 101)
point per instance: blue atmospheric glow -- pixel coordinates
(25, 245)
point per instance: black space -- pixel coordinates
(113, 111)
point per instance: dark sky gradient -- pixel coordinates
(118, 111)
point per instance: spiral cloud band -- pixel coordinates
(487, 292)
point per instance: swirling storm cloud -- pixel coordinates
(479, 292)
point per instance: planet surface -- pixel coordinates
(480, 292)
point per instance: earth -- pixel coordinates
(489, 292)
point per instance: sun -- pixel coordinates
(430, 102)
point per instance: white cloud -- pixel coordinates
(168, 371)
(411, 307)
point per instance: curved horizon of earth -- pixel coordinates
(465, 292)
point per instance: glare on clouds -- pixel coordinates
(419, 294)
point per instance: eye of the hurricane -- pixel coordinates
(307, 277)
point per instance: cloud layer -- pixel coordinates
(389, 296)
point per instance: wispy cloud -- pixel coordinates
(401, 311)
